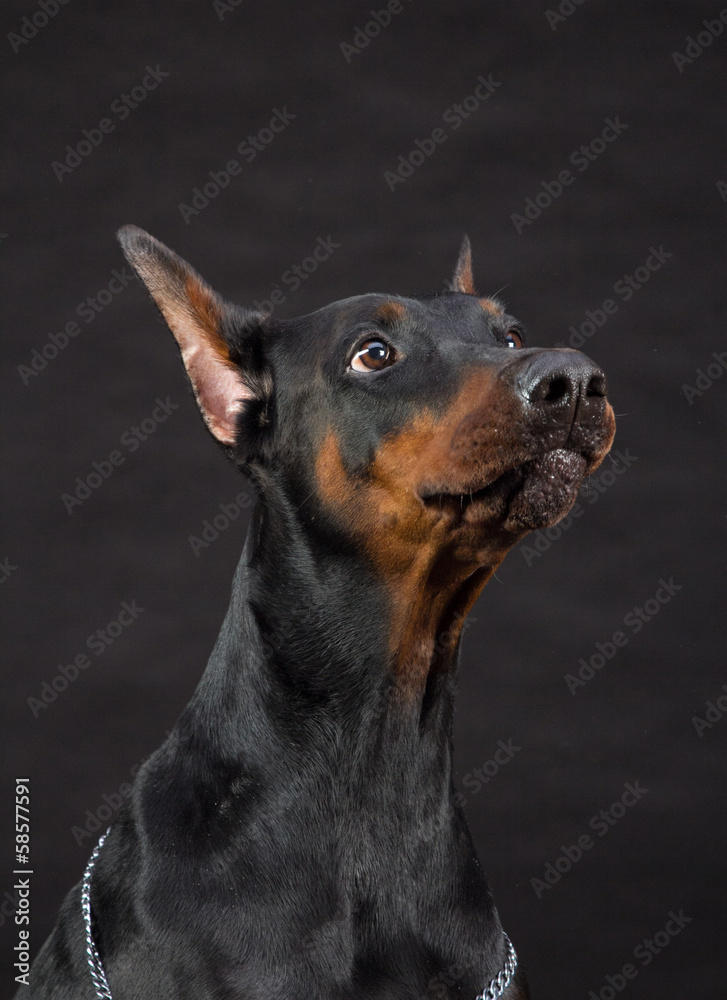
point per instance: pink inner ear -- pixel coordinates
(194, 318)
(220, 391)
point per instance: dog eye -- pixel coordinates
(372, 356)
(513, 339)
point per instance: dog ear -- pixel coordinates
(219, 342)
(462, 280)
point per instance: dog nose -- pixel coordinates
(556, 379)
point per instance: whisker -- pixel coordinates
(306, 499)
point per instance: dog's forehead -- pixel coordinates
(447, 316)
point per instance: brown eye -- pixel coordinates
(513, 339)
(372, 356)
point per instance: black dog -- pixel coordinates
(297, 836)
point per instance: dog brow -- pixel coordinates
(491, 306)
(390, 313)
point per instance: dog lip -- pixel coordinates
(509, 479)
(439, 496)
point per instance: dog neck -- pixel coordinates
(307, 646)
(303, 750)
(301, 691)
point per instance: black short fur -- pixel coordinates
(297, 835)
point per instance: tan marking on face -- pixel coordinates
(491, 306)
(432, 572)
(433, 562)
(390, 313)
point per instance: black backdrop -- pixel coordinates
(645, 201)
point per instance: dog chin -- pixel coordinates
(535, 494)
(549, 488)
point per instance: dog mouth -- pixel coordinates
(535, 494)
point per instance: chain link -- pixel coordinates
(500, 983)
(94, 960)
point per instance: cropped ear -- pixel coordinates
(219, 342)
(462, 280)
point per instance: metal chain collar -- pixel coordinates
(492, 991)
(500, 983)
(94, 961)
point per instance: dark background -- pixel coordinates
(323, 175)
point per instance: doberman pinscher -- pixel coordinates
(297, 836)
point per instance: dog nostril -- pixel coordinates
(557, 388)
(558, 383)
(597, 385)
(550, 389)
